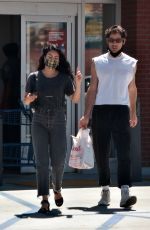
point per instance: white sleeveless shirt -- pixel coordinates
(114, 76)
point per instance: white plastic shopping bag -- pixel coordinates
(82, 154)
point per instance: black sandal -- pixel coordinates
(59, 202)
(44, 210)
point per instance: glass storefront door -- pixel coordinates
(39, 34)
(36, 32)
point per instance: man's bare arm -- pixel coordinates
(90, 98)
(133, 98)
(92, 91)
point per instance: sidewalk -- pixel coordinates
(70, 180)
(19, 206)
(28, 180)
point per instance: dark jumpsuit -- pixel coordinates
(49, 127)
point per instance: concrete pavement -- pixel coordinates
(19, 205)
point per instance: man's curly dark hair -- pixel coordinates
(116, 29)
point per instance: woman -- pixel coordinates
(45, 92)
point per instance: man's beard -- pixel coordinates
(116, 53)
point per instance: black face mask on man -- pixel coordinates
(51, 63)
(117, 53)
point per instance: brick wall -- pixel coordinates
(135, 17)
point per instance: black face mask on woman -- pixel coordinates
(51, 63)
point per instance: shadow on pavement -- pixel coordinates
(102, 209)
(53, 213)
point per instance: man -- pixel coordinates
(112, 97)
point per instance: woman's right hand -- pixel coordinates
(29, 97)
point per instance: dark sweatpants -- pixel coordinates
(107, 121)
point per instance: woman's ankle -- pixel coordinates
(45, 197)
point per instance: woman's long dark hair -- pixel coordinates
(63, 67)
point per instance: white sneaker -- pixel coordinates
(105, 198)
(126, 200)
